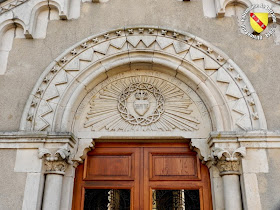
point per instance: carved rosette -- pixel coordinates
(57, 162)
(228, 162)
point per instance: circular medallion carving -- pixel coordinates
(143, 93)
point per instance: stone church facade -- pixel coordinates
(77, 73)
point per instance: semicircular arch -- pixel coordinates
(229, 97)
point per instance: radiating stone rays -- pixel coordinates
(168, 107)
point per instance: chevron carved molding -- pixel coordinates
(236, 90)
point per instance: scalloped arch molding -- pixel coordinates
(230, 98)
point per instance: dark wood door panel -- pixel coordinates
(113, 167)
(176, 163)
(141, 168)
(173, 167)
(111, 164)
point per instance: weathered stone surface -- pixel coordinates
(29, 58)
(27, 161)
(17, 66)
(269, 182)
(142, 102)
(12, 184)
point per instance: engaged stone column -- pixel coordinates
(56, 164)
(229, 166)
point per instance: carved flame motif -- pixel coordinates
(140, 103)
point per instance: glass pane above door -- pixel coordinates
(176, 200)
(107, 199)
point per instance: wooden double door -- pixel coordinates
(142, 176)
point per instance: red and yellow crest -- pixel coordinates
(258, 21)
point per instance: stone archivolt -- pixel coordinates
(157, 46)
(276, 1)
(139, 102)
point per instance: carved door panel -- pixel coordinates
(108, 168)
(119, 176)
(175, 179)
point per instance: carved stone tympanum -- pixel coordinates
(143, 101)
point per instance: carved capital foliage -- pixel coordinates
(57, 167)
(221, 153)
(56, 161)
(227, 161)
(228, 167)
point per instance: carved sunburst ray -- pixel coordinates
(171, 109)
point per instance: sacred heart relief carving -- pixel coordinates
(144, 94)
(142, 101)
(141, 104)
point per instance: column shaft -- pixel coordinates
(232, 193)
(52, 192)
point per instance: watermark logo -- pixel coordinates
(258, 16)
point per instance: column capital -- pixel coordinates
(56, 160)
(228, 160)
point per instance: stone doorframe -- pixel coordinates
(230, 100)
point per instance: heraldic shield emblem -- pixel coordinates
(259, 21)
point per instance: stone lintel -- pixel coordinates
(36, 139)
(250, 139)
